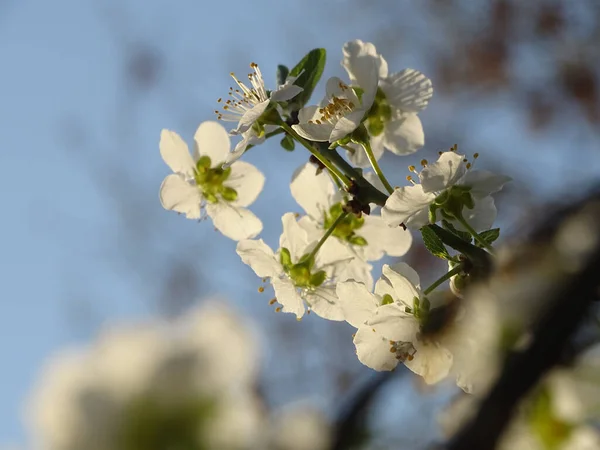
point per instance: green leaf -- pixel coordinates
(312, 65)
(489, 236)
(282, 74)
(434, 244)
(288, 143)
(464, 235)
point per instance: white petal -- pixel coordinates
(442, 174)
(407, 272)
(248, 138)
(323, 302)
(250, 117)
(259, 257)
(308, 113)
(248, 182)
(286, 92)
(383, 287)
(391, 322)
(358, 157)
(336, 87)
(175, 153)
(408, 90)
(382, 239)
(347, 125)
(481, 217)
(404, 288)
(483, 182)
(314, 193)
(294, 237)
(211, 139)
(404, 135)
(356, 61)
(234, 222)
(408, 205)
(176, 194)
(357, 302)
(431, 361)
(288, 296)
(313, 131)
(356, 270)
(373, 350)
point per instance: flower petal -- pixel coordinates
(355, 269)
(404, 135)
(408, 205)
(286, 91)
(357, 302)
(176, 194)
(391, 322)
(313, 192)
(324, 303)
(250, 117)
(248, 138)
(288, 296)
(336, 87)
(383, 287)
(444, 173)
(234, 222)
(175, 153)
(408, 90)
(314, 131)
(259, 257)
(373, 350)
(382, 239)
(404, 286)
(347, 125)
(294, 237)
(431, 361)
(483, 182)
(356, 61)
(481, 217)
(248, 182)
(211, 139)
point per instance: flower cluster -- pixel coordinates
(323, 261)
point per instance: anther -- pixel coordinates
(278, 309)
(475, 155)
(261, 289)
(272, 301)
(468, 165)
(424, 162)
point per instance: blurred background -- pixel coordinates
(87, 85)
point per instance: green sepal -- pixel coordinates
(285, 258)
(282, 74)
(318, 278)
(387, 300)
(434, 244)
(489, 236)
(288, 143)
(358, 240)
(311, 66)
(203, 162)
(211, 198)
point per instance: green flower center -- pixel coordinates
(301, 273)
(451, 203)
(151, 425)
(346, 229)
(379, 114)
(210, 181)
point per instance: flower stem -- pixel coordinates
(327, 234)
(443, 278)
(475, 235)
(369, 151)
(334, 170)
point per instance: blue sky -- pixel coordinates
(71, 258)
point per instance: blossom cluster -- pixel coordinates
(353, 216)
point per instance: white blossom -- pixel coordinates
(368, 237)
(448, 176)
(341, 111)
(392, 122)
(389, 324)
(247, 104)
(297, 281)
(201, 183)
